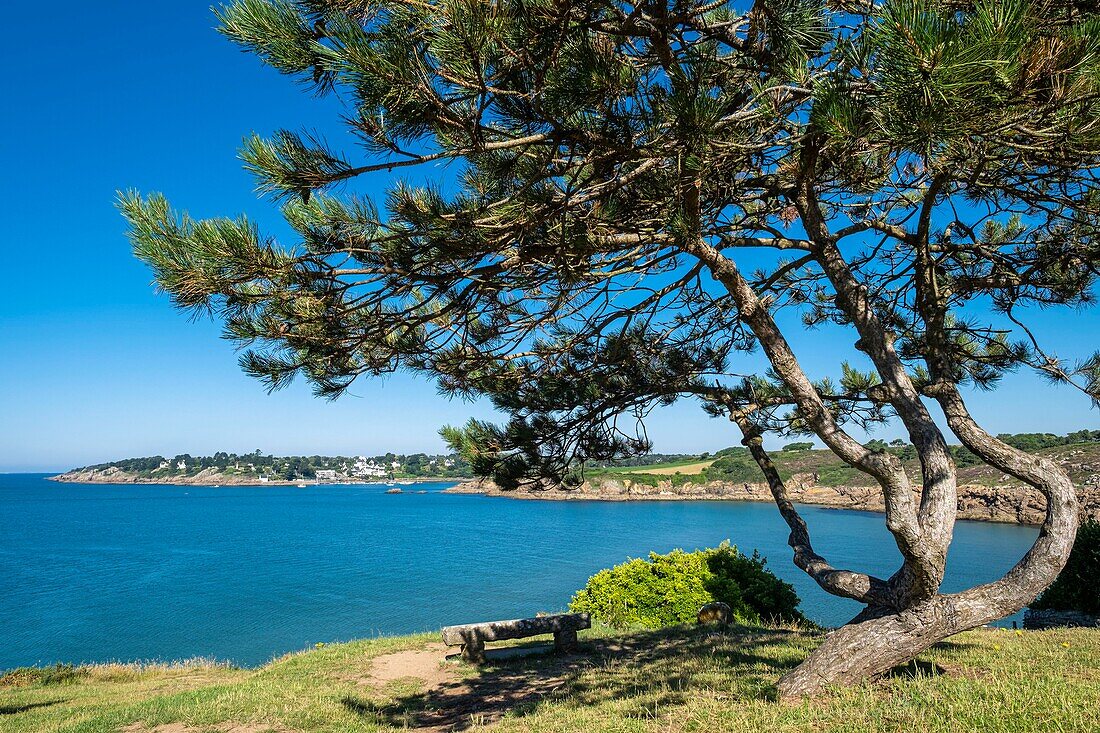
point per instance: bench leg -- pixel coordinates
(565, 641)
(473, 650)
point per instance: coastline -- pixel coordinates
(216, 479)
(1003, 505)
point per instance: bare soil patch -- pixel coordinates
(688, 469)
(424, 664)
(454, 700)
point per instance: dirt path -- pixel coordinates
(453, 701)
(425, 664)
(182, 728)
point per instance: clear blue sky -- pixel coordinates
(95, 366)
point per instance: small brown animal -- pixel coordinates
(717, 612)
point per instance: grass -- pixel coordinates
(684, 679)
(687, 468)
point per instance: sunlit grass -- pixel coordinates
(684, 679)
(687, 466)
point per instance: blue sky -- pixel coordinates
(95, 366)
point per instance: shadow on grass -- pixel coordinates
(637, 672)
(916, 669)
(16, 709)
(954, 645)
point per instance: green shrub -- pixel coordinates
(1078, 586)
(742, 579)
(737, 467)
(666, 590)
(841, 475)
(682, 479)
(963, 457)
(645, 479)
(735, 450)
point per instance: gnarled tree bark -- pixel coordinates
(905, 614)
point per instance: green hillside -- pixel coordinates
(1079, 453)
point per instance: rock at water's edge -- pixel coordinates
(1045, 619)
(1008, 504)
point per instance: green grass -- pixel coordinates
(684, 679)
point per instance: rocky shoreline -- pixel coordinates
(1005, 504)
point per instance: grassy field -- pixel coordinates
(687, 468)
(686, 679)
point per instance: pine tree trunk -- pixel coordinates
(870, 645)
(879, 639)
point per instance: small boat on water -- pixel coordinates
(301, 486)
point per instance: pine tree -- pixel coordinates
(627, 198)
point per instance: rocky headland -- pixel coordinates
(1009, 503)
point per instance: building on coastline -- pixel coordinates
(367, 468)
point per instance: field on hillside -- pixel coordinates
(1081, 461)
(682, 679)
(686, 468)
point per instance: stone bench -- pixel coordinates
(472, 637)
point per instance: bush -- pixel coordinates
(841, 475)
(1077, 587)
(682, 479)
(963, 457)
(737, 467)
(666, 590)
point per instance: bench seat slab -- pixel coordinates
(472, 637)
(519, 628)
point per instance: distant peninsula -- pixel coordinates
(257, 469)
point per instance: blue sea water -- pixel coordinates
(92, 573)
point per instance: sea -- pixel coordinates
(99, 573)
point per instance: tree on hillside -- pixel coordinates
(622, 198)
